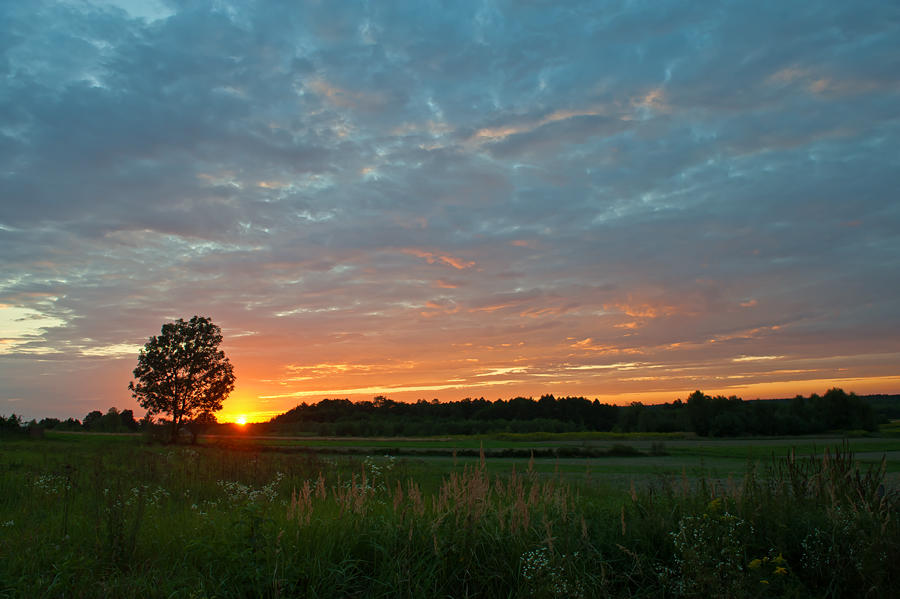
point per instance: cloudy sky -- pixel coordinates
(621, 200)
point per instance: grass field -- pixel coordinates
(654, 456)
(86, 515)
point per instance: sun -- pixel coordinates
(242, 420)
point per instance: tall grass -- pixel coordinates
(133, 521)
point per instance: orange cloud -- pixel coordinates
(590, 345)
(432, 258)
(448, 307)
(642, 310)
(493, 308)
(373, 390)
(498, 133)
(270, 184)
(539, 312)
(819, 83)
(653, 101)
(755, 358)
(456, 262)
(745, 334)
(343, 97)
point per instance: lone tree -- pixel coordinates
(182, 372)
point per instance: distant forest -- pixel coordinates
(702, 414)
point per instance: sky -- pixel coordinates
(625, 201)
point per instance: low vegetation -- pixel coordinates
(91, 516)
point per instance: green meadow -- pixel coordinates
(540, 515)
(639, 458)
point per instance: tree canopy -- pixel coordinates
(717, 416)
(182, 372)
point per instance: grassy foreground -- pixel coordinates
(105, 516)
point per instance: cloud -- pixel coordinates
(431, 258)
(466, 188)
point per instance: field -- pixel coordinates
(566, 515)
(641, 457)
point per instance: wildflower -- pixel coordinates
(755, 564)
(781, 571)
(52, 484)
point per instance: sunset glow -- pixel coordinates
(625, 204)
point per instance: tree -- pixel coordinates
(699, 407)
(93, 421)
(111, 422)
(10, 426)
(128, 420)
(200, 424)
(182, 372)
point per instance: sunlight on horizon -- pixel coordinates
(245, 414)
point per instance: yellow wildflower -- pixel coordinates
(780, 571)
(754, 564)
(779, 560)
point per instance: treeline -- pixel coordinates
(113, 421)
(717, 416)
(702, 414)
(11, 426)
(887, 407)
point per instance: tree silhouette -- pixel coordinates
(200, 424)
(182, 372)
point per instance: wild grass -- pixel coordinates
(128, 520)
